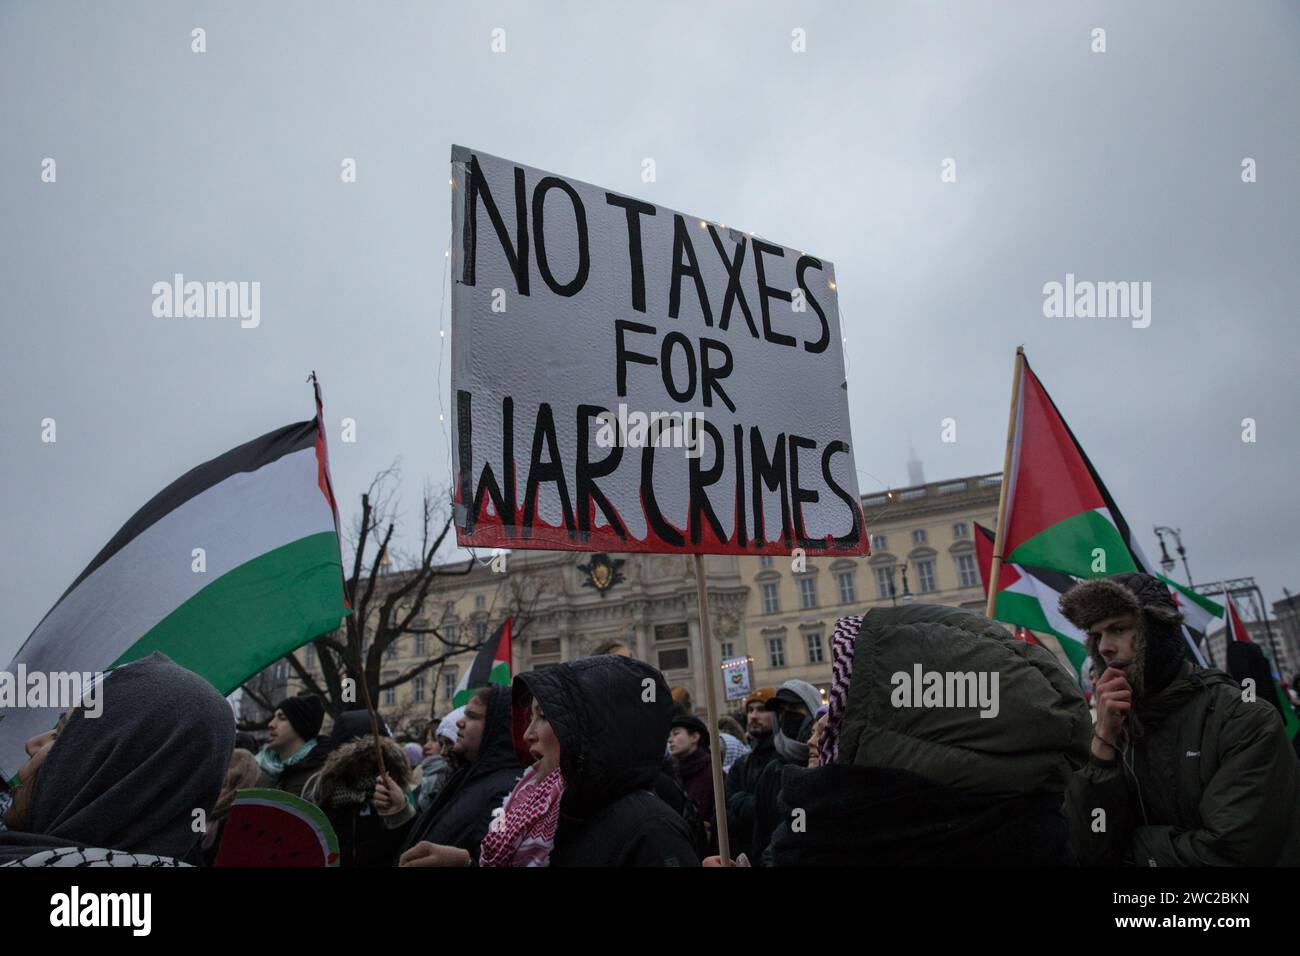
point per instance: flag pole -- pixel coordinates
(715, 751)
(1000, 532)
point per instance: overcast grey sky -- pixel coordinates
(1122, 165)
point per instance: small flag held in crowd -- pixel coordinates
(491, 665)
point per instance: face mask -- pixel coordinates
(791, 723)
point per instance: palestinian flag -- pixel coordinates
(1199, 612)
(491, 666)
(1029, 598)
(1058, 512)
(1236, 630)
(1237, 633)
(1026, 636)
(229, 567)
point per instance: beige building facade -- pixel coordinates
(776, 614)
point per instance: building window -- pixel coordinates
(848, 592)
(728, 650)
(449, 633)
(776, 652)
(480, 631)
(960, 530)
(311, 655)
(765, 561)
(419, 688)
(919, 536)
(771, 600)
(966, 571)
(674, 659)
(480, 602)
(390, 651)
(671, 632)
(878, 542)
(808, 592)
(885, 581)
(419, 645)
(390, 693)
(925, 575)
(546, 645)
(449, 683)
(451, 608)
(815, 647)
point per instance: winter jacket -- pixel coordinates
(611, 752)
(941, 784)
(462, 812)
(872, 816)
(295, 778)
(1207, 779)
(742, 781)
(695, 771)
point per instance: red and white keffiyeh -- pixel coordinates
(523, 834)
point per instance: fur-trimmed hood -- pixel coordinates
(350, 771)
(1158, 647)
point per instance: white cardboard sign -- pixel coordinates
(628, 378)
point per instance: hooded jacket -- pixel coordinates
(941, 784)
(462, 812)
(611, 751)
(1204, 777)
(131, 778)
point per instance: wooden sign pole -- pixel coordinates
(710, 685)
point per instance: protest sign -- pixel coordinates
(629, 378)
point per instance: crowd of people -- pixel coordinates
(597, 762)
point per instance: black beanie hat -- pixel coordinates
(305, 712)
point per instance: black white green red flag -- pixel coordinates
(229, 567)
(1030, 597)
(1236, 632)
(491, 665)
(1059, 515)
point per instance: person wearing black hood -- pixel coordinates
(294, 752)
(1185, 771)
(595, 730)
(462, 812)
(121, 788)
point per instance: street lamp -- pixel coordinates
(907, 595)
(1166, 561)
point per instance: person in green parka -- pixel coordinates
(1186, 768)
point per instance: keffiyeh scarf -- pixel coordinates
(523, 834)
(842, 644)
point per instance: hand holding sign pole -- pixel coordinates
(626, 378)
